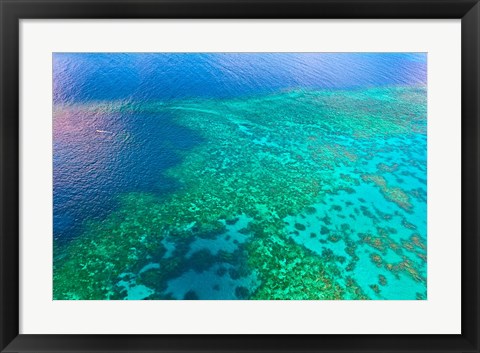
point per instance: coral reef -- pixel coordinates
(292, 195)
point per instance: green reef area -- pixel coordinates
(302, 195)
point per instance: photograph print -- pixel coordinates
(239, 176)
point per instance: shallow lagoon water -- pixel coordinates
(240, 176)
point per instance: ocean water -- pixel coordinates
(224, 176)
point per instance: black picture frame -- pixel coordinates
(14, 10)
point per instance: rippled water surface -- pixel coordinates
(240, 176)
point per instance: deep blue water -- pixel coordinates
(124, 153)
(99, 155)
(151, 76)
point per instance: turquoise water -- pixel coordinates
(240, 176)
